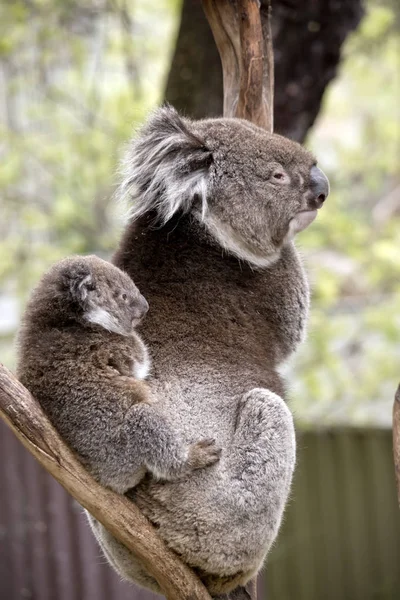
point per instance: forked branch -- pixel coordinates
(122, 518)
(243, 37)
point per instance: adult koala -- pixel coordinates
(215, 206)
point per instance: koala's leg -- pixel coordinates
(249, 499)
(263, 452)
(259, 469)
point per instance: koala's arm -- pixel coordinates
(146, 440)
(162, 448)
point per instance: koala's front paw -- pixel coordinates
(203, 454)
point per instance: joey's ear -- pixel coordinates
(166, 167)
(80, 284)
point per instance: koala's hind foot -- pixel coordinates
(229, 587)
(246, 592)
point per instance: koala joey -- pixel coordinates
(215, 205)
(80, 356)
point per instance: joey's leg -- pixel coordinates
(121, 559)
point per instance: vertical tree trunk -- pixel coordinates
(194, 84)
(308, 38)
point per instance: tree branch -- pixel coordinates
(244, 41)
(396, 440)
(23, 414)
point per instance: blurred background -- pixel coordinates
(76, 78)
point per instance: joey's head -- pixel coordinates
(253, 191)
(89, 291)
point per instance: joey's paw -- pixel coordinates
(203, 454)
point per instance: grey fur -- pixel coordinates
(216, 204)
(221, 324)
(167, 169)
(84, 369)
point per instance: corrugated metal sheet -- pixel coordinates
(341, 535)
(340, 539)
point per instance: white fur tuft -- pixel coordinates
(233, 244)
(100, 316)
(166, 168)
(142, 367)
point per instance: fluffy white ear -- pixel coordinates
(166, 167)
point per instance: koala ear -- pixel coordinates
(166, 167)
(80, 285)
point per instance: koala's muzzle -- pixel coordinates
(319, 185)
(141, 308)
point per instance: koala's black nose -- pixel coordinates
(319, 185)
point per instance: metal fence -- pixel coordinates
(340, 539)
(341, 536)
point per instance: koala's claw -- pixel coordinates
(204, 454)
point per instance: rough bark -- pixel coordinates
(245, 46)
(307, 37)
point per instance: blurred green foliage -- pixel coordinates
(75, 77)
(349, 368)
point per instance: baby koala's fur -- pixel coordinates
(80, 356)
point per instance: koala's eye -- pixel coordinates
(279, 176)
(124, 296)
